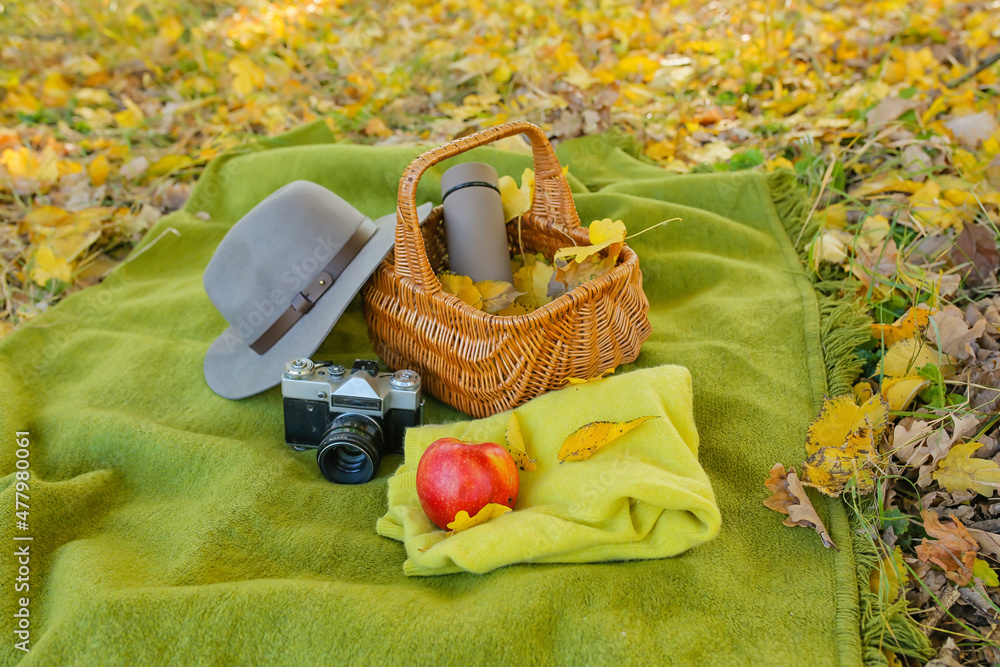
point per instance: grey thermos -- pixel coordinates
(473, 220)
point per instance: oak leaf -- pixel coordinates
(953, 550)
(960, 471)
(790, 498)
(590, 438)
(463, 521)
(515, 445)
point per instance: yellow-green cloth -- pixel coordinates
(644, 495)
(171, 525)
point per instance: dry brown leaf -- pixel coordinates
(908, 436)
(977, 247)
(953, 334)
(953, 550)
(989, 543)
(889, 109)
(973, 129)
(790, 498)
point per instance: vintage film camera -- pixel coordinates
(351, 417)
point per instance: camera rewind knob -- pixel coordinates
(405, 379)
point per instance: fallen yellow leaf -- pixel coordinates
(98, 169)
(55, 90)
(593, 379)
(959, 471)
(842, 444)
(590, 438)
(532, 281)
(910, 355)
(170, 163)
(900, 392)
(48, 265)
(247, 76)
(911, 324)
(131, 116)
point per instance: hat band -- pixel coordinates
(304, 301)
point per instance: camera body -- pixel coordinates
(350, 416)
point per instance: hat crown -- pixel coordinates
(274, 252)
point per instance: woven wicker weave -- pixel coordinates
(481, 363)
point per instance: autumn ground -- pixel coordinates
(886, 110)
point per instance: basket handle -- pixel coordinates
(551, 199)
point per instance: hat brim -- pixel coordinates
(235, 371)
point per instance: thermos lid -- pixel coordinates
(469, 173)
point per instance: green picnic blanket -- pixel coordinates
(168, 524)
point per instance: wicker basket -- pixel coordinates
(481, 363)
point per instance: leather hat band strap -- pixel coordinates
(303, 302)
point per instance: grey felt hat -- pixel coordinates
(282, 277)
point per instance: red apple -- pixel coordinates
(453, 476)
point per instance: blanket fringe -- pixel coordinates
(844, 325)
(883, 626)
(844, 322)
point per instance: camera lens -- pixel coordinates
(350, 450)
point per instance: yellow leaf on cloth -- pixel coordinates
(788, 497)
(910, 325)
(593, 379)
(590, 438)
(647, 497)
(515, 445)
(463, 521)
(841, 416)
(958, 471)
